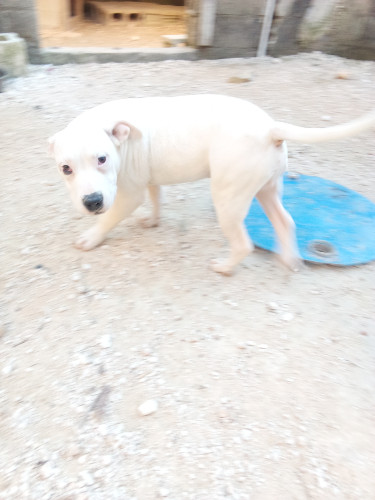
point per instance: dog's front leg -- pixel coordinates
(124, 204)
(153, 220)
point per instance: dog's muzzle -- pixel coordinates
(93, 202)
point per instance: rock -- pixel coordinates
(246, 434)
(301, 440)
(238, 79)
(87, 477)
(101, 401)
(287, 316)
(107, 459)
(174, 40)
(7, 370)
(342, 75)
(105, 341)
(46, 470)
(148, 407)
(272, 306)
(73, 450)
(163, 492)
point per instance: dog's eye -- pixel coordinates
(102, 159)
(67, 170)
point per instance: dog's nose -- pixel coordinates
(93, 202)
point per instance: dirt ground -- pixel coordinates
(264, 381)
(119, 34)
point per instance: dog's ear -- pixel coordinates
(122, 131)
(51, 146)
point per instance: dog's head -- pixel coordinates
(88, 158)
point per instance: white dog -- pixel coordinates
(110, 154)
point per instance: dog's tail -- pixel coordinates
(284, 131)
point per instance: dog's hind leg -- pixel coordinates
(270, 199)
(231, 209)
(124, 204)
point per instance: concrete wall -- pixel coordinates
(57, 14)
(52, 15)
(19, 16)
(345, 28)
(342, 27)
(237, 27)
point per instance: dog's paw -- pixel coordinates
(148, 222)
(89, 239)
(294, 264)
(221, 266)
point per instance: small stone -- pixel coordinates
(103, 430)
(326, 118)
(223, 413)
(82, 496)
(87, 478)
(105, 341)
(246, 434)
(73, 450)
(238, 79)
(86, 267)
(46, 470)
(342, 75)
(76, 276)
(272, 306)
(250, 343)
(7, 370)
(163, 492)
(148, 407)
(263, 346)
(301, 440)
(287, 316)
(146, 351)
(107, 459)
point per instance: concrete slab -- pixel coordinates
(70, 55)
(13, 54)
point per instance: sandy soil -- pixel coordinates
(264, 381)
(120, 34)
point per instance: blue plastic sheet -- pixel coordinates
(334, 225)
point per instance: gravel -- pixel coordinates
(261, 385)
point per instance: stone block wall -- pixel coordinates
(341, 27)
(237, 27)
(19, 16)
